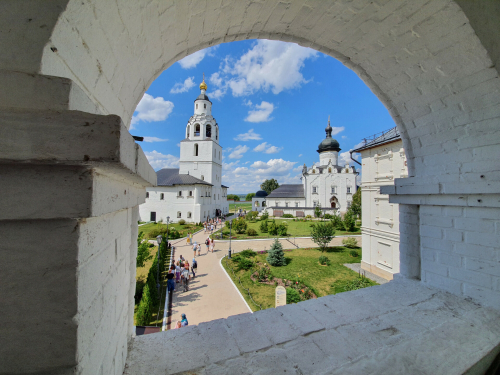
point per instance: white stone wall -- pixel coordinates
(380, 219)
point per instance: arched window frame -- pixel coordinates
(179, 214)
(189, 215)
(195, 151)
(197, 130)
(147, 195)
(208, 131)
(188, 130)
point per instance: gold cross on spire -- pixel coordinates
(203, 85)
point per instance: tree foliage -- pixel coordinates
(263, 226)
(240, 225)
(269, 185)
(142, 251)
(349, 221)
(317, 211)
(356, 203)
(249, 196)
(276, 256)
(234, 197)
(322, 234)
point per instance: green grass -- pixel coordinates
(303, 265)
(243, 205)
(183, 229)
(295, 229)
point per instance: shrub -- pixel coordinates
(324, 260)
(292, 296)
(139, 287)
(350, 242)
(276, 256)
(243, 263)
(289, 216)
(282, 229)
(353, 253)
(264, 216)
(337, 222)
(251, 232)
(263, 274)
(328, 216)
(240, 225)
(308, 217)
(142, 250)
(263, 226)
(172, 233)
(249, 253)
(182, 221)
(317, 211)
(349, 222)
(322, 234)
(273, 228)
(145, 309)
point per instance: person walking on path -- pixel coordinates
(170, 279)
(185, 277)
(194, 267)
(195, 246)
(178, 272)
(184, 321)
(212, 244)
(207, 242)
(199, 249)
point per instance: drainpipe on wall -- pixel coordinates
(350, 152)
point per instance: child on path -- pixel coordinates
(199, 249)
(184, 321)
(195, 246)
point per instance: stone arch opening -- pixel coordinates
(438, 79)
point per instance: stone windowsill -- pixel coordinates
(401, 327)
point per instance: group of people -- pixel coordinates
(179, 272)
(211, 224)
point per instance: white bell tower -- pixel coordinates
(201, 154)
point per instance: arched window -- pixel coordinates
(196, 149)
(147, 195)
(203, 177)
(189, 215)
(196, 105)
(204, 106)
(179, 214)
(209, 131)
(162, 196)
(329, 170)
(180, 193)
(264, 204)
(190, 193)
(187, 131)
(197, 130)
(314, 170)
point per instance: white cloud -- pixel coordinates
(268, 65)
(159, 160)
(300, 155)
(344, 137)
(337, 130)
(183, 87)
(248, 136)
(151, 109)
(154, 139)
(194, 59)
(267, 148)
(238, 152)
(248, 103)
(261, 113)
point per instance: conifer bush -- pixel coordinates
(276, 256)
(263, 226)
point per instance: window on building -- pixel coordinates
(203, 177)
(264, 204)
(209, 131)
(348, 190)
(348, 204)
(190, 193)
(314, 170)
(196, 149)
(315, 190)
(189, 215)
(162, 196)
(180, 193)
(196, 105)
(334, 189)
(179, 214)
(217, 136)
(329, 170)
(296, 204)
(197, 130)
(277, 204)
(204, 106)
(286, 204)
(147, 195)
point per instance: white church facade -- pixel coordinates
(327, 185)
(194, 191)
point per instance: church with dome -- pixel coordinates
(325, 184)
(194, 191)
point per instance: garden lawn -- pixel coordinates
(303, 265)
(295, 229)
(182, 229)
(243, 205)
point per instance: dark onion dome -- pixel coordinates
(329, 144)
(260, 194)
(202, 97)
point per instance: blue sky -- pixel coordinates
(271, 100)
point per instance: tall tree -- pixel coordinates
(234, 197)
(269, 185)
(249, 196)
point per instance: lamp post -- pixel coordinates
(168, 219)
(230, 225)
(158, 239)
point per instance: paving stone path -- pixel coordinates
(211, 294)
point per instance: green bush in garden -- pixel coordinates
(349, 222)
(292, 296)
(350, 242)
(249, 253)
(282, 229)
(289, 216)
(182, 222)
(251, 232)
(337, 222)
(324, 260)
(353, 253)
(264, 216)
(240, 225)
(145, 308)
(263, 226)
(273, 228)
(276, 256)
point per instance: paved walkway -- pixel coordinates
(211, 294)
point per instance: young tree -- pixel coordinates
(269, 185)
(249, 196)
(356, 203)
(233, 197)
(317, 211)
(263, 226)
(276, 256)
(240, 225)
(142, 251)
(322, 234)
(349, 221)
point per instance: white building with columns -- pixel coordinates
(383, 160)
(194, 191)
(327, 185)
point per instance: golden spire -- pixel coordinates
(203, 85)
